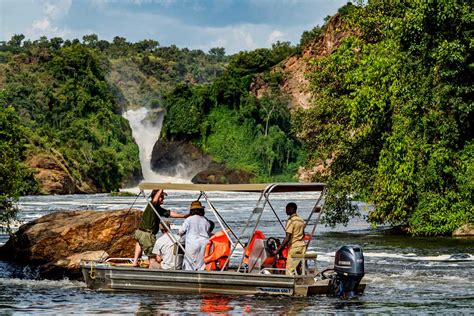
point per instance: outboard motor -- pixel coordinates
(349, 269)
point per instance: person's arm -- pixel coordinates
(184, 228)
(283, 244)
(157, 196)
(159, 259)
(178, 215)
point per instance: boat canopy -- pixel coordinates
(253, 187)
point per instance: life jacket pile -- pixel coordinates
(217, 251)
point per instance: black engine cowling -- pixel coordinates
(349, 268)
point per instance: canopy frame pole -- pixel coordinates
(260, 212)
(323, 193)
(266, 194)
(315, 207)
(274, 212)
(168, 228)
(218, 217)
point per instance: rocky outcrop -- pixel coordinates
(219, 174)
(178, 159)
(53, 176)
(296, 68)
(465, 230)
(57, 242)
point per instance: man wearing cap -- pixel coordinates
(294, 238)
(196, 229)
(149, 226)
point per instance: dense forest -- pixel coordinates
(235, 127)
(393, 112)
(390, 121)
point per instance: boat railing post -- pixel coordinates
(169, 229)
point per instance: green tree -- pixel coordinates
(90, 40)
(12, 172)
(218, 53)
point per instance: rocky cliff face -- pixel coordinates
(58, 241)
(54, 177)
(186, 161)
(295, 81)
(178, 159)
(296, 68)
(217, 173)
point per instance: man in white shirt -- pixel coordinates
(166, 250)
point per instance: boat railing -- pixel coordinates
(130, 260)
(305, 259)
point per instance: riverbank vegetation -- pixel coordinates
(392, 116)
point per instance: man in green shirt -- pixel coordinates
(149, 226)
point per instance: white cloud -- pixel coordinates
(41, 25)
(53, 11)
(167, 30)
(57, 9)
(274, 36)
(162, 2)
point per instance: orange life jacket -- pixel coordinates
(248, 250)
(217, 251)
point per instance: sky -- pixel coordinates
(236, 25)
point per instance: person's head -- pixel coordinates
(196, 208)
(163, 227)
(291, 208)
(158, 196)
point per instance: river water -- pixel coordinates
(404, 274)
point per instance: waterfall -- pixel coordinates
(146, 127)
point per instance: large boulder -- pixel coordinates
(220, 174)
(178, 159)
(58, 241)
(54, 177)
(466, 230)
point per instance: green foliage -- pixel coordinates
(232, 125)
(259, 60)
(228, 139)
(392, 116)
(15, 178)
(309, 36)
(63, 99)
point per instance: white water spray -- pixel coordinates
(146, 127)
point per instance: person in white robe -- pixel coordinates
(196, 230)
